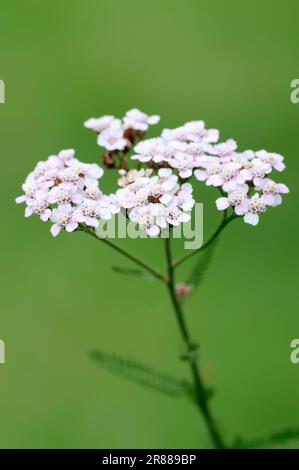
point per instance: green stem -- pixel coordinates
(201, 395)
(125, 253)
(225, 221)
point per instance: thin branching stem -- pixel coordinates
(127, 254)
(190, 353)
(201, 393)
(224, 222)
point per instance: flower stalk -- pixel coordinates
(201, 395)
(225, 221)
(126, 253)
(191, 349)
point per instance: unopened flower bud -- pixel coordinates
(183, 290)
(130, 135)
(108, 160)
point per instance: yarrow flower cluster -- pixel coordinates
(112, 132)
(154, 201)
(65, 191)
(242, 177)
(158, 195)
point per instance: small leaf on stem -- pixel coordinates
(143, 375)
(132, 272)
(201, 266)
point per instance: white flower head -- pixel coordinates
(237, 199)
(88, 213)
(39, 206)
(99, 124)
(255, 170)
(66, 155)
(129, 177)
(59, 186)
(211, 173)
(149, 150)
(197, 132)
(256, 206)
(139, 121)
(155, 202)
(226, 151)
(272, 192)
(63, 218)
(179, 134)
(65, 193)
(273, 159)
(66, 190)
(231, 176)
(146, 217)
(112, 137)
(184, 163)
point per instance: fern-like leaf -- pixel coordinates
(201, 266)
(143, 375)
(287, 438)
(132, 272)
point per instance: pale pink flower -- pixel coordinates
(226, 151)
(185, 198)
(212, 172)
(150, 149)
(46, 173)
(134, 194)
(81, 174)
(183, 163)
(139, 121)
(197, 150)
(167, 179)
(63, 218)
(227, 175)
(181, 197)
(255, 170)
(231, 176)
(65, 193)
(273, 159)
(173, 148)
(112, 138)
(146, 217)
(256, 206)
(174, 216)
(108, 206)
(99, 124)
(88, 213)
(128, 177)
(92, 192)
(271, 192)
(236, 198)
(66, 155)
(87, 171)
(31, 188)
(157, 201)
(183, 290)
(196, 132)
(38, 205)
(70, 176)
(178, 134)
(244, 158)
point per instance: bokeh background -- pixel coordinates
(229, 63)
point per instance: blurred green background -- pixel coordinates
(229, 63)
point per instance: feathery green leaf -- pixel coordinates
(132, 272)
(201, 265)
(287, 438)
(143, 375)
